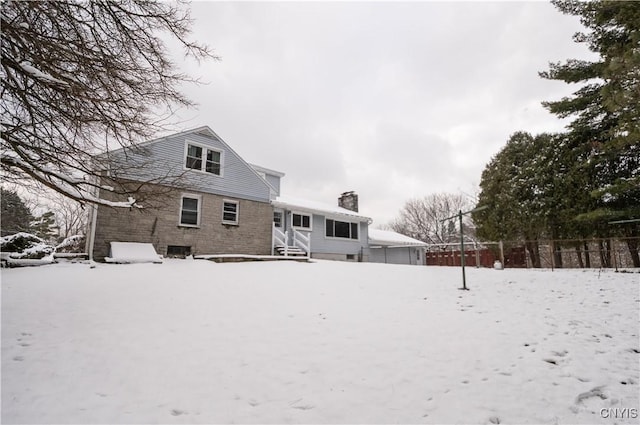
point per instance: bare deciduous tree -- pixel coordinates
(422, 218)
(71, 216)
(83, 77)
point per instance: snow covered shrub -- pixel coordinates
(25, 246)
(72, 244)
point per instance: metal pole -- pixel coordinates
(459, 215)
(464, 278)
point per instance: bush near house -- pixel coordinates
(25, 246)
(72, 244)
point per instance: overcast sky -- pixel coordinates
(391, 100)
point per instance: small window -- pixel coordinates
(277, 218)
(230, 212)
(200, 158)
(341, 229)
(176, 251)
(190, 211)
(302, 221)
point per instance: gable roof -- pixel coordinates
(313, 207)
(392, 239)
(207, 133)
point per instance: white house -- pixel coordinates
(225, 205)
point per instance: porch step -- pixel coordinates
(293, 251)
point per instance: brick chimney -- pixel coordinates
(349, 201)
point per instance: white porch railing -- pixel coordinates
(299, 240)
(279, 238)
(302, 241)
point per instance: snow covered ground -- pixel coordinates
(192, 341)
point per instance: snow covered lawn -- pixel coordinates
(326, 342)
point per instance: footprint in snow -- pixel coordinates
(177, 412)
(18, 358)
(594, 392)
(304, 407)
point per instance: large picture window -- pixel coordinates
(203, 159)
(301, 221)
(190, 211)
(341, 229)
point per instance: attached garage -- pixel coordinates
(394, 248)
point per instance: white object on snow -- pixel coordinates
(497, 265)
(133, 252)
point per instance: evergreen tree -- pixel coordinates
(533, 192)
(606, 108)
(15, 217)
(45, 226)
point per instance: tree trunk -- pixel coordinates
(557, 254)
(579, 255)
(587, 258)
(632, 244)
(534, 254)
(605, 253)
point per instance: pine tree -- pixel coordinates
(45, 226)
(606, 108)
(16, 217)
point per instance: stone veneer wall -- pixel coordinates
(161, 227)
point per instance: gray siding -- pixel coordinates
(274, 181)
(400, 255)
(320, 244)
(167, 156)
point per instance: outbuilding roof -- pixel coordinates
(391, 239)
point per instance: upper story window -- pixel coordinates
(190, 210)
(341, 229)
(204, 159)
(301, 221)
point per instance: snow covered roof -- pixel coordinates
(305, 205)
(391, 239)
